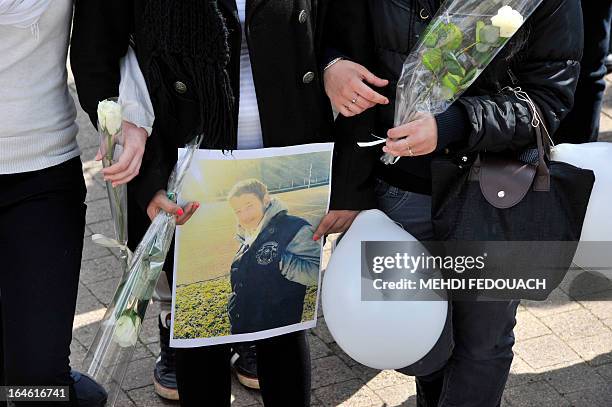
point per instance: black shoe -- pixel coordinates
(164, 375)
(244, 364)
(608, 63)
(88, 392)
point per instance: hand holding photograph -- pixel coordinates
(246, 265)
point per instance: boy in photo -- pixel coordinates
(276, 261)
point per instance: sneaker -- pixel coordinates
(164, 375)
(88, 392)
(244, 365)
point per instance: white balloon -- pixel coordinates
(379, 334)
(597, 225)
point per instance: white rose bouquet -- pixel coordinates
(110, 121)
(459, 43)
(114, 344)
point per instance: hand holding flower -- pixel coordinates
(118, 131)
(128, 166)
(418, 137)
(454, 50)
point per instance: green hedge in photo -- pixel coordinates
(310, 303)
(201, 309)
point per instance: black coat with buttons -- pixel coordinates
(284, 39)
(542, 59)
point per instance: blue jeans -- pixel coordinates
(476, 369)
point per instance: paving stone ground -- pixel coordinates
(563, 352)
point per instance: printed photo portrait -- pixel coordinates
(246, 264)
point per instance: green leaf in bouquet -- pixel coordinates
(451, 37)
(489, 34)
(452, 64)
(481, 59)
(432, 34)
(447, 93)
(482, 48)
(479, 26)
(451, 82)
(432, 59)
(469, 78)
(443, 93)
(501, 42)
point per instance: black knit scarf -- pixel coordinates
(192, 35)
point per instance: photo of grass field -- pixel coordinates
(207, 244)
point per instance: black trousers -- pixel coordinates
(283, 367)
(478, 368)
(42, 221)
(581, 125)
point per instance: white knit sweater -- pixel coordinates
(37, 113)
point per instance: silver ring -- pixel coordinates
(410, 153)
(353, 101)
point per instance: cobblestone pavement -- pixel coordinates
(563, 353)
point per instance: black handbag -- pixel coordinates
(492, 197)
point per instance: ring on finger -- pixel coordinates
(354, 100)
(410, 152)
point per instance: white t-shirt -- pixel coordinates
(249, 126)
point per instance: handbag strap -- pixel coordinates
(544, 142)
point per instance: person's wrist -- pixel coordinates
(144, 133)
(332, 63)
(137, 120)
(148, 130)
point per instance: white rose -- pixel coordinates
(508, 20)
(126, 330)
(109, 116)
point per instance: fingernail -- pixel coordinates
(180, 212)
(315, 238)
(196, 205)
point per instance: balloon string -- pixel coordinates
(381, 140)
(537, 120)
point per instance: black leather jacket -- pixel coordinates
(542, 59)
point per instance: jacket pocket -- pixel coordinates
(175, 100)
(391, 21)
